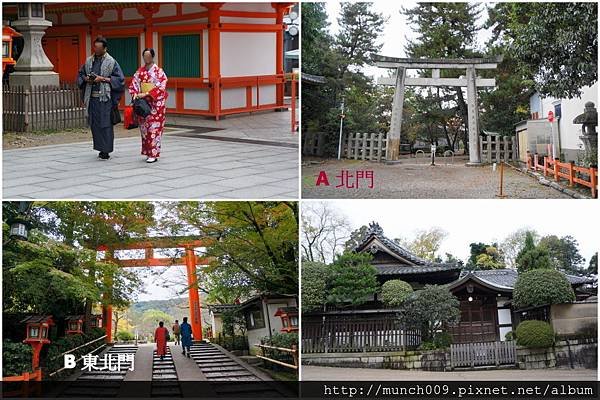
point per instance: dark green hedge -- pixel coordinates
(535, 334)
(540, 287)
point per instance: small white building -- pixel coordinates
(560, 138)
(263, 315)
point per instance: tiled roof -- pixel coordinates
(313, 78)
(376, 232)
(506, 278)
(37, 319)
(219, 308)
(405, 270)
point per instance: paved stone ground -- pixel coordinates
(422, 181)
(369, 374)
(253, 156)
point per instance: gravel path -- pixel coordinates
(422, 181)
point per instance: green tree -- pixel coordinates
(539, 287)
(532, 257)
(429, 309)
(593, 266)
(513, 243)
(564, 253)
(353, 281)
(485, 256)
(315, 281)
(253, 246)
(356, 41)
(426, 242)
(395, 292)
(445, 30)
(555, 43)
(491, 259)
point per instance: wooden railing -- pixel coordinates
(569, 172)
(269, 352)
(485, 353)
(356, 333)
(42, 108)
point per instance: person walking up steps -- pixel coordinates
(175, 329)
(185, 330)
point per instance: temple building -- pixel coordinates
(486, 310)
(220, 58)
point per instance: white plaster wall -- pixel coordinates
(131, 13)
(195, 99)
(257, 7)
(74, 18)
(503, 331)
(240, 20)
(504, 316)
(166, 10)
(570, 108)
(189, 8)
(205, 53)
(245, 54)
(171, 99)
(108, 16)
(233, 98)
(267, 95)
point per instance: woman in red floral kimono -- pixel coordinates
(150, 82)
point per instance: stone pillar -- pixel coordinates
(473, 109)
(33, 67)
(393, 139)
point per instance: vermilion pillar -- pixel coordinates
(214, 56)
(279, 54)
(193, 295)
(107, 307)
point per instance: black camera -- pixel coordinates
(92, 76)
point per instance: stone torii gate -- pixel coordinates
(471, 82)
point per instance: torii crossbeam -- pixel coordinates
(471, 82)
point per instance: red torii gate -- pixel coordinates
(189, 259)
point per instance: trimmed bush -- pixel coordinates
(442, 340)
(540, 287)
(509, 336)
(395, 292)
(125, 336)
(535, 334)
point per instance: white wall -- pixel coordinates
(570, 108)
(246, 53)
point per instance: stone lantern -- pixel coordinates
(33, 67)
(589, 135)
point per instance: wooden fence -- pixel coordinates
(282, 356)
(496, 148)
(569, 172)
(364, 146)
(356, 333)
(42, 108)
(484, 353)
(313, 143)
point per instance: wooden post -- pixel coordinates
(535, 162)
(214, 56)
(571, 173)
(501, 180)
(594, 181)
(556, 169)
(545, 166)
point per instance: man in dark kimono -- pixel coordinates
(102, 83)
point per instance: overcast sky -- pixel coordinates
(468, 221)
(397, 31)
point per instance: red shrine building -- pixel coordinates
(220, 58)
